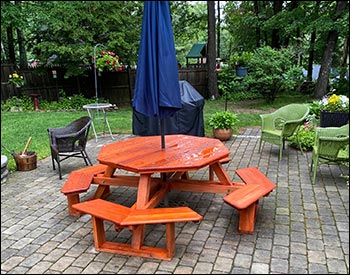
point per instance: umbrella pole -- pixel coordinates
(162, 136)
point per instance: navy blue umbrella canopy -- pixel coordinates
(157, 89)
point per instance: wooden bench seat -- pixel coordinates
(246, 198)
(79, 181)
(120, 215)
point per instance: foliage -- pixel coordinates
(315, 110)
(189, 21)
(273, 71)
(306, 135)
(233, 87)
(334, 103)
(64, 33)
(108, 61)
(74, 102)
(241, 59)
(24, 102)
(16, 79)
(223, 120)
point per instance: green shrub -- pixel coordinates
(23, 102)
(273, 71)
(74, 102)
(306, 135)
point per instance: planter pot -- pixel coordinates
(333, 119)
(222, 134)
(241, 71)
(25, 162)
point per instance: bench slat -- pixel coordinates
(77, 182)
(252, 175)
(245, 196)
(95, 169)
(124, 216)
(161, 215)
(103, 209)
(80, 180)
(257, 186)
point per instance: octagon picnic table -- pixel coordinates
(155, 172)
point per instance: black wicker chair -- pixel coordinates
(69, 141)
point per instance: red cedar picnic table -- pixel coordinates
(158, 172)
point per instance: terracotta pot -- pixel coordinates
(222, 134)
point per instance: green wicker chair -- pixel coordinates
(331, 147)
(278, 126)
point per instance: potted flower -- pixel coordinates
(334, 110)
(16, 79)
(240, 61)
(222, 124)
(108, 61)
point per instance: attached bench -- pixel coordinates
(101, 210)
(246, 198)
(79, 181)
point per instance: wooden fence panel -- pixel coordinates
(116, 87)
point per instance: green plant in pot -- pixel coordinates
(241, 61)
(223, 123)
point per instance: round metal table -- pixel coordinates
(93, 110)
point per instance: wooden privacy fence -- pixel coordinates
(116, 87)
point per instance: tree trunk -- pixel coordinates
(322, 81)
(218, 30)
(312, 48)
(275, 43)
(257, 28)
(10, 46)
(311, 56)
(23, 62)
(211, 59)
(345, 52)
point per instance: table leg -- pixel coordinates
(92, 123)
(106, 122)
(220, 173)
(143, 195)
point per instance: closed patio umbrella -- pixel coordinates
(157, 90)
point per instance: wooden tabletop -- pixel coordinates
(145, 155)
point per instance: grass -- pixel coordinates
(17, 127)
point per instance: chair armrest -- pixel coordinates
(268, 121)
(339, 138)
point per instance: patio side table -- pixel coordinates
(93, 110)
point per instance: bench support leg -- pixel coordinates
(99, 232)
(247, 219)
(73, 199)
(170, 239)
(138, 250)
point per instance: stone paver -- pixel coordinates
(300, 228)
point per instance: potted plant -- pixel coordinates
(334, 110)
(222, 124)
(241, 60)
(16, 79)
(108, 61)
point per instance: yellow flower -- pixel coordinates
(334, 103)
(16, 79)
(334, 99)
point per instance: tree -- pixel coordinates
(211, 60)
(323, 78)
